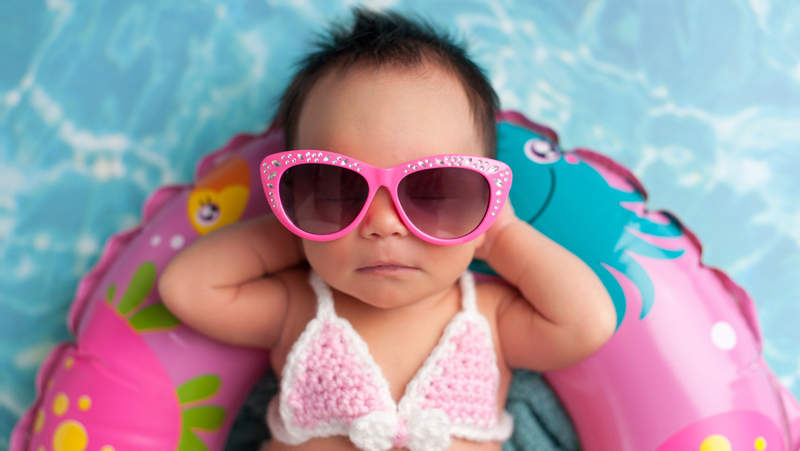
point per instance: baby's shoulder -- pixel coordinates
(295, 281)
(494, 295)
(300, 309)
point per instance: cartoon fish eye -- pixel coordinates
(208, 214)
(541, 151)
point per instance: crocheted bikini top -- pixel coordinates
(331, 385)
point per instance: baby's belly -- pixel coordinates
(341, 443)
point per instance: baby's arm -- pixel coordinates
(228, 285)
(564, 312)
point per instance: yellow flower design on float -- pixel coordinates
(73, 415)
(220, 197)
(719, 442)
(69, 434)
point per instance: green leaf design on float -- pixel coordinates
(191, 442)
(139, 288)
(152, 318)
(112, 290)
(207, 418)
(199, 388)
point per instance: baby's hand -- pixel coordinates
(506, 218)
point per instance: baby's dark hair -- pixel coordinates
(389, 39)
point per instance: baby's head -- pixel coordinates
(388, 43)
(388, 93)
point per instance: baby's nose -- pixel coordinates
(382, 218)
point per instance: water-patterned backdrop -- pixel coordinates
(103, 101)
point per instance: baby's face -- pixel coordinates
(387, 117)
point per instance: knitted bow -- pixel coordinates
(427, 430)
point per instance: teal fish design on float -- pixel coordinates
(568, 200)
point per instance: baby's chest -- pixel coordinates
(391, 356)
(393, 349)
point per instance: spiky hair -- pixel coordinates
(381, 39)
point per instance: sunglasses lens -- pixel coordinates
(322, 199)
(444, 202)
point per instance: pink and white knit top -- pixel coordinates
(331, 385)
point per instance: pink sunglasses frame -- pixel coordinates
(497, 174)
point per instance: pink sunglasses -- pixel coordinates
(444, 199)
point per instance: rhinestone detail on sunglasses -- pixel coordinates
(494, 172)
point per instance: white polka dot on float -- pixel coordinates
(177, 242)
(723, 336)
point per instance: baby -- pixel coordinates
(358, 284)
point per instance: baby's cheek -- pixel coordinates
(452, 259)
(331, 259)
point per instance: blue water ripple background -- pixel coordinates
(102, 102)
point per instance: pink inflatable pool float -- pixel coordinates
(136, 378)
(683, 371)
